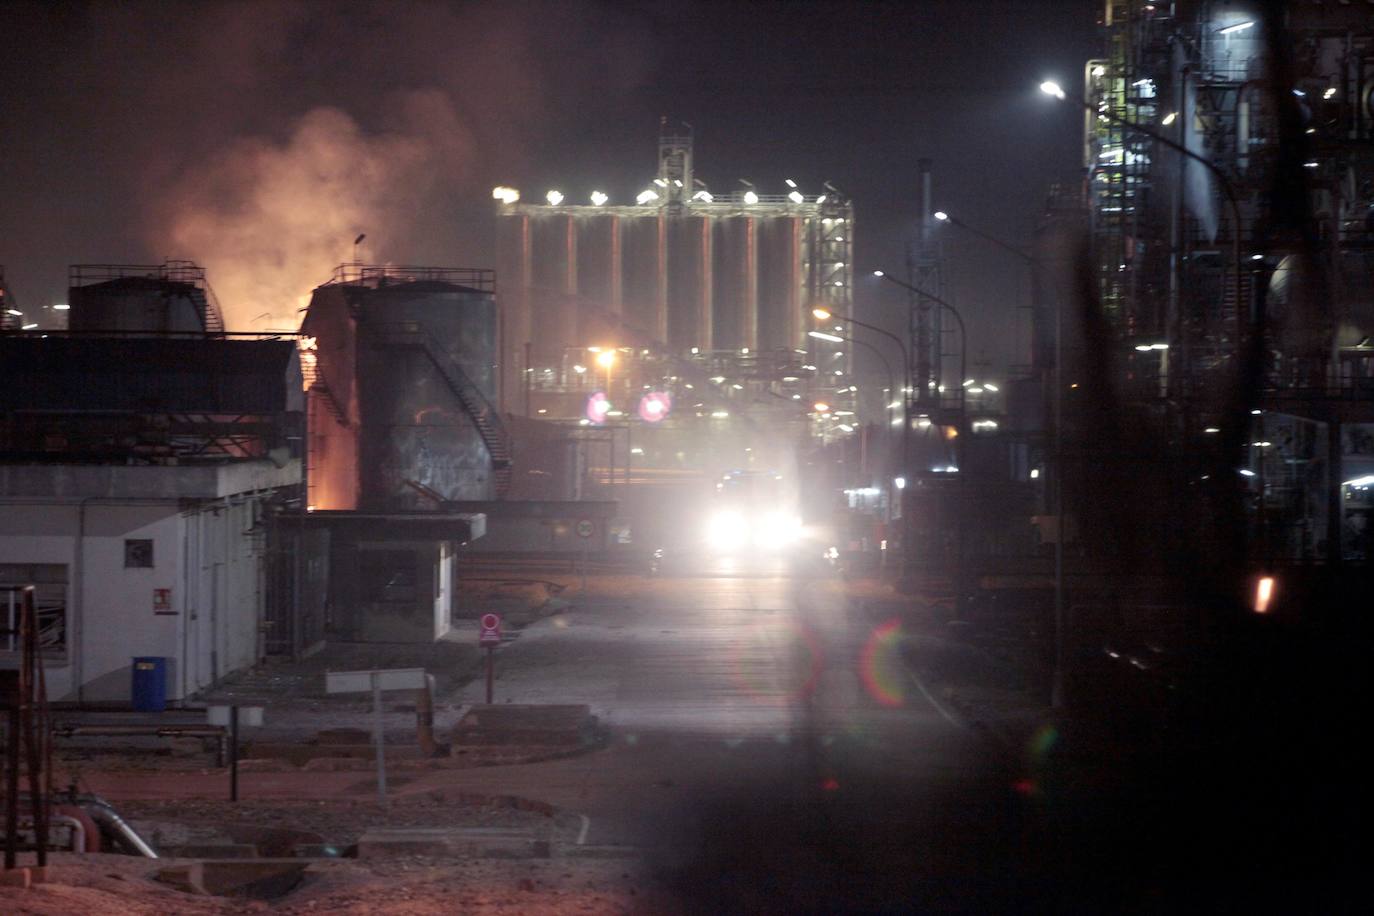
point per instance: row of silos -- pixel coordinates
(575, 276)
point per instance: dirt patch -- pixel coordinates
(405, 886)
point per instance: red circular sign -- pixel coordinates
(490, 621)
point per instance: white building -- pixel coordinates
(131, 562)
(139, 479)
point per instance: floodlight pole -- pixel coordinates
(1057, 677)
(907, 548)
(908, 535)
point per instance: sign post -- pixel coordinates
(585, 528)
(379, 735)
(233, 717)
(376, 681)
(489, 637)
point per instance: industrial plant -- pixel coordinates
(1231, 238)
(688, 548)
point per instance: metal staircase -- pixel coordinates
(315, 384)
(483, 414)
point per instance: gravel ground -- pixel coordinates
(408, 885)
(335, 822)
(412, 886)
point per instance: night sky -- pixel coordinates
(260, 138)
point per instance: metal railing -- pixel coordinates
(376, 276)
(169, 271)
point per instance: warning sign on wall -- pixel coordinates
(162, 601)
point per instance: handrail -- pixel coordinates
(378, 275)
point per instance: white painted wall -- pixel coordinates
(445, 581)
(205, 555)
(224, 579)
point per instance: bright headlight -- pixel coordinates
(776, 529)
(726, 530)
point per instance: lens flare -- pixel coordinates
(880, 665)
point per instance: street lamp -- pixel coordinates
(606, 359)
(909, 537)
(840, 338)
(824, 314)
(944, 217)
(1057, 678)
(958, 318)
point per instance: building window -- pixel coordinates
(50, 605)
(138, 553)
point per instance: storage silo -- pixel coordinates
(514, 265)
(598, 276)
(645, 271)
(780, 282)
(736, 274)
(553, 286)
(690, 288)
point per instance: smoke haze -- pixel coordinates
(260, 138)
(269, 220)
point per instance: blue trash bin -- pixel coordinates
(150, 684)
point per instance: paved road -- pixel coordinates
(770, 753)
(768, 746)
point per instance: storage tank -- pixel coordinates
(736, 281)
(144, 299)
(553, 292)
(780, 282)
(513, 266)
(403, 387)
(690, 292)
(418, 434)
(645, 275)
(598, 277)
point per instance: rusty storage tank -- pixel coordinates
(141, 299)
(422, 342)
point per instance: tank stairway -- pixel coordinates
(331, 403)
(315, 384)
(484, 416)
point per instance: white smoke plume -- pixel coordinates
(270, 220)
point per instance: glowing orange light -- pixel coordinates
(1264, 594)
